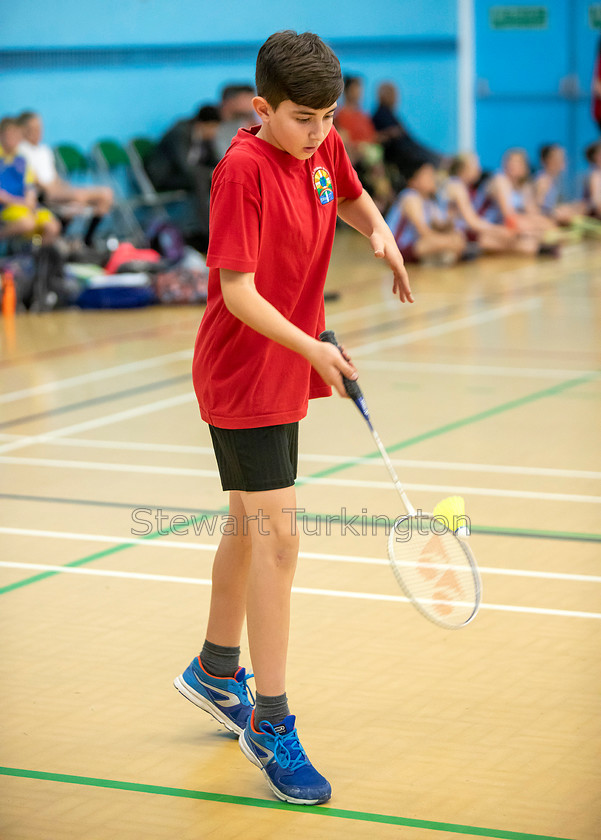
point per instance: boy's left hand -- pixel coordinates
(384, 250)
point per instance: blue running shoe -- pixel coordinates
(279, 754)
(226, 698)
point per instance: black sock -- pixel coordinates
(94, 222)
(218, 660)
(271, 708)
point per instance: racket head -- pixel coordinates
(435, 569)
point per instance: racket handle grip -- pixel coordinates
(351, 386)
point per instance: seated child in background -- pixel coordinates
(508, 199)
(419, 223)
(592, 184)
(53, 189)
(548, 195)
(464, 174)
(19, 211)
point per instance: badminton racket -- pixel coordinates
(434, 566)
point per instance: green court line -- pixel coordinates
(228, 799)
(553, 390)
(533, 533)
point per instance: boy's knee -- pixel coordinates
(27, 224)
(106, 197)
(281, 545)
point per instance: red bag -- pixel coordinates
(126, 252)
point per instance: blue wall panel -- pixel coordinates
(35, 23)
(121, 67)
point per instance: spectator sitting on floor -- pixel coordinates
(464, 174)
(508, 198)
(547, 187)
(421, 227)
(184, 159)
(400, 148)
(20, 214)
(237, 112)
(361, 143)
(52, 188)
(592, 184)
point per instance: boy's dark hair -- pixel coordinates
(5, 122)
(589, 152)
(208, 113)
(25, 116)
(547, 150)
(350, 80)
(299, 67)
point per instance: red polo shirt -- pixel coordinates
(274, 216)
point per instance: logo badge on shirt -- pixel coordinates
(323, 185)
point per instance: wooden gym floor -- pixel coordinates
(488, 386)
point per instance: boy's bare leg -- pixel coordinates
(20, 227)
(274, 555)
(229, 579)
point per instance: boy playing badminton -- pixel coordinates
(257, 362)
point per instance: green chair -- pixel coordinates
(139, 150)
(114, 167)
(71, 161)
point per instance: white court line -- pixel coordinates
(448, 327)
(452, 488)
(298, 590)
(107, 466)
(360, 312)
(475, 370)
(307, 555)
(117, 417)
(455, 466)
(95, 376)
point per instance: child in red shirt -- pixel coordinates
(275, 198)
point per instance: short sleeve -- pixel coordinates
(348, 184)
(235, 226)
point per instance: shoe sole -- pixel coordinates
(247, 751)
(194, 697)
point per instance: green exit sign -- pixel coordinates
(519, 17)
(594, 16)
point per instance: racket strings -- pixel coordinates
(436, 572)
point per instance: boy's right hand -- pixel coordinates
(332, 365)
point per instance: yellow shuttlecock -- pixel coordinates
(452, 511)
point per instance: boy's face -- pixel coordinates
(295, 129)
(10, 138)
(33, 129)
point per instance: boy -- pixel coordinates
(19, 212)
(257, 361)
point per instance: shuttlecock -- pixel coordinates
(452, 512)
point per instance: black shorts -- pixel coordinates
(256, 459)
